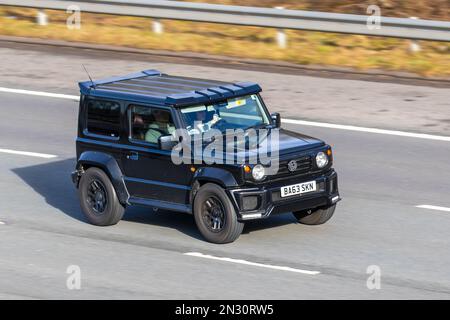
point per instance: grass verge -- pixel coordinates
(306, 48)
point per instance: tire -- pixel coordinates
(215, 215)
(314, 216)
(98, 199)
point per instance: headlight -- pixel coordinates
(258, 172)
(321, 160)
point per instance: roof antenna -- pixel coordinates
(93, 84)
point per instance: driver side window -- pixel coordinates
(148, 123)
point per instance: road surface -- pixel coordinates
(383, 178)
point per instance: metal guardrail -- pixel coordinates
(414, 29)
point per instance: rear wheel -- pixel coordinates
(315, 216)
(98, 199)
(215, 216)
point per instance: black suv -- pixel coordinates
(130, 127)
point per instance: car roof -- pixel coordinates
(154, 87)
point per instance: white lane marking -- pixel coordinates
(291, 121)
(269, 266)
(26, 153)
(1, 222)
(430, 207)
(368, 130)
(40, 93)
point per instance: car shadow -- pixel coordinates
(52, 181)
(162, 218)
(276, 221)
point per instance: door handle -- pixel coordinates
(133, 156)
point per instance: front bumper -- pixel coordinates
(257, 203)
(75, 176)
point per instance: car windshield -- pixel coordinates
(235, 113)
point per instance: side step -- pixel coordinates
(170, 206)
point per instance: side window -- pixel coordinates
(103, 118)
(148, 124)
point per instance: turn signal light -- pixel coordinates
(247, 169)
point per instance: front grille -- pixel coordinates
(304, 165)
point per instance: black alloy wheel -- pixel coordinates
(213, 214)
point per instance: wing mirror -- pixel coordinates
(276, 119)
(167, 142)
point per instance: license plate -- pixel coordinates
(300, 188)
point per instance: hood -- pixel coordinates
(288, 142)
(291, 141)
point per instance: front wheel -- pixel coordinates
(215, 216)
(314, 216)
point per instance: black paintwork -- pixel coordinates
(143, 174)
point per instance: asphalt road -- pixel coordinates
(382, 179)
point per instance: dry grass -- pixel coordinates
(425, 9)
(313, 48)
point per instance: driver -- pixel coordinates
(161, 125)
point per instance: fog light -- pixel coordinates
(250, 203)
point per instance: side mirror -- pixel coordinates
(276, 118)
(166, 142)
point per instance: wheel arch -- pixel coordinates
(109, 165)
(218, 176)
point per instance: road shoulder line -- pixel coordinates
(367, 130)
(288, 121)
(249, 263)
(431, 207)
(40, 93)
(30, 154)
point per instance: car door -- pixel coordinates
(149, 171)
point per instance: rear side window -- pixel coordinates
(103, 118)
